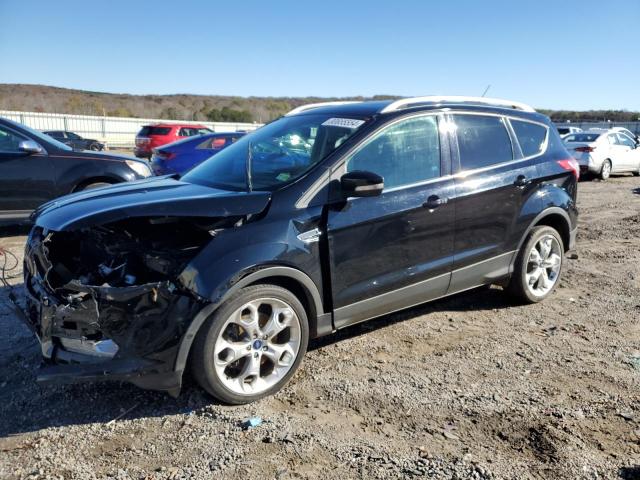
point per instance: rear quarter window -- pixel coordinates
(482, 141)
(148, 131)
(531, 137)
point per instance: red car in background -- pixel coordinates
(152, 136)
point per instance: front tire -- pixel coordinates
(538, 265)
(605, 170)
(251, 345)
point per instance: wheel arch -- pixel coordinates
(98, 179)
(296, 281)
(554, 217)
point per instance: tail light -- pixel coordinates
(571, 165)
(163, 155)
(585, 149)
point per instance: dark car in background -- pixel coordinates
(35, 168)
(180, 156)
(75, 141)
(329, 216)
(153, 136)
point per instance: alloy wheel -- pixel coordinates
(257, 346)
(606, 170)
(543, 265)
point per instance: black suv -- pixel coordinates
(329, 216)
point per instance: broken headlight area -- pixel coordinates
(111, 291)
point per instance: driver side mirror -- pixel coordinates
(29, 147)
(360, 183)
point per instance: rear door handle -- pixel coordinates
(521, 181)
(434, 202)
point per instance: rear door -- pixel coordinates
(493, 180)
(26, 180)
(395, 250)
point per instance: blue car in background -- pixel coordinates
(183, 155)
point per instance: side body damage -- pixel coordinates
(105, 299)
(118, 285)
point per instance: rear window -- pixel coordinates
(582, 137)
(482, 141)
(148, 131)
(531, 137)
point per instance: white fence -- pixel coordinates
(113, 131)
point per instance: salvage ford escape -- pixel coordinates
(333, 214)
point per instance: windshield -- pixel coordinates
(275, 154)
(42, 137)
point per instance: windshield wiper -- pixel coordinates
(248, 167)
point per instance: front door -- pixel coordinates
(394, 250)
(26, 180)
(629, 153)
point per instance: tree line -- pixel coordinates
(42, 98)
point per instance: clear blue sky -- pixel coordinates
(554, 54)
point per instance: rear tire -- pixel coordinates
(94, 147)
(605, 170)
(537, 273)
(251, 345)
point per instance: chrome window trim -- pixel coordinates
(417, 184)
(364, 141)
(465, 173)
(329, 173)
(545, 144)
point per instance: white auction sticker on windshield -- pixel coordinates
(343, 122)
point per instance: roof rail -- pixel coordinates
(309, 106)
(436, 99)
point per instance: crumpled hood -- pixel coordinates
(153, 197)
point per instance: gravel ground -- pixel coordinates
(468, 387)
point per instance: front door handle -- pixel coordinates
(521, 181)
(434, 201)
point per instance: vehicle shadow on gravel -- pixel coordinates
(637, 192)
(479, 299)
(630, 473)
(26, 406)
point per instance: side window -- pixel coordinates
(482, 141)
(73, 136)
(8, 141)
(404, 153)
(184, 132)
(531, 137)
(613, 139)
(626, 141)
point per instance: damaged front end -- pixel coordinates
(106, 302)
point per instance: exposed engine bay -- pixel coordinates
(111, 291)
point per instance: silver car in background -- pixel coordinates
(567, 130)
(603, 152)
